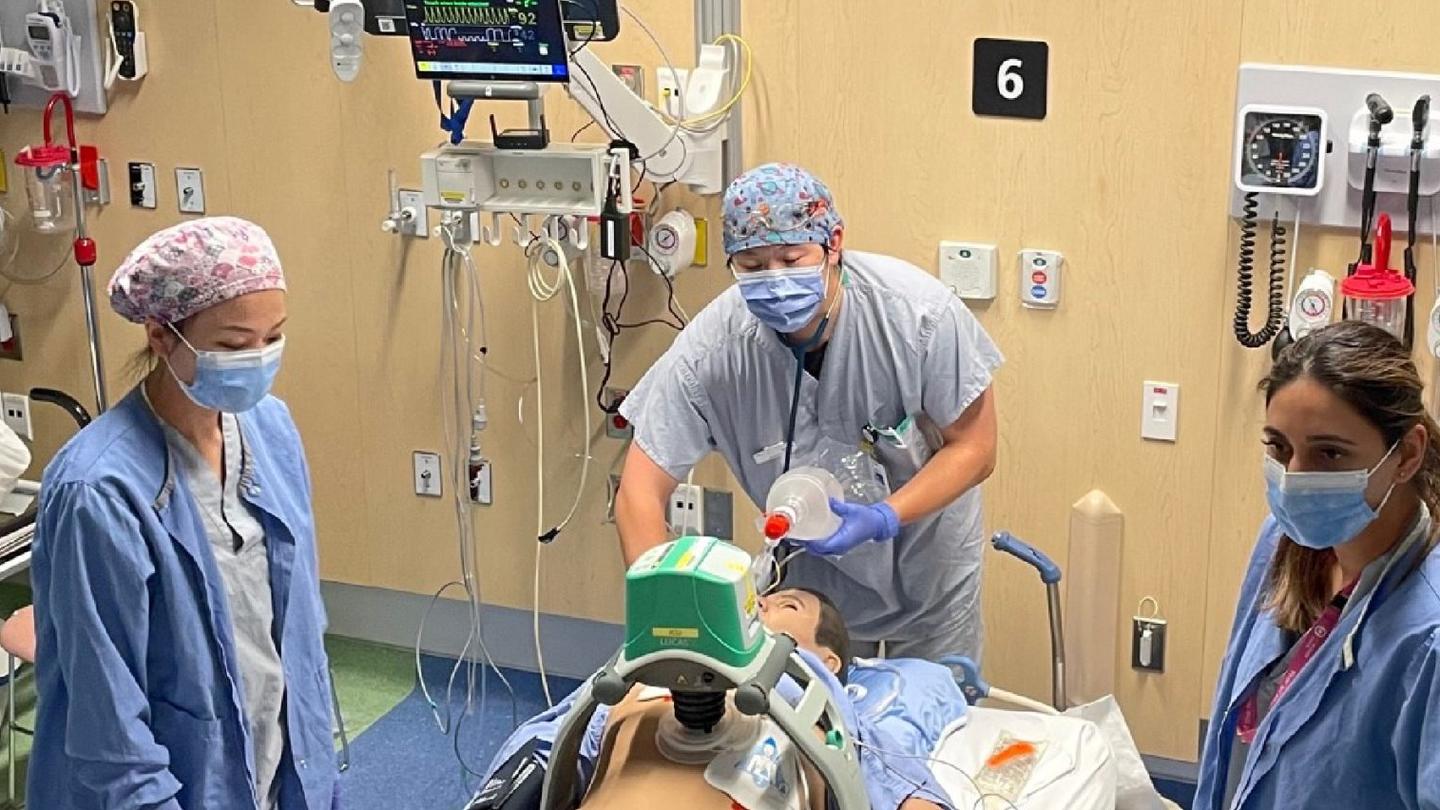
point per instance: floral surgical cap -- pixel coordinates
(193, 266)
(778, 204)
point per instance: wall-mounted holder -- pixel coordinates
(1341, 94)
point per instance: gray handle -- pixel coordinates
(753, 696)
(609, 687)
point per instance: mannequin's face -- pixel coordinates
(797, 615)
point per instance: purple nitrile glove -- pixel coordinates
(859, 523)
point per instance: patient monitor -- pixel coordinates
(692, 626)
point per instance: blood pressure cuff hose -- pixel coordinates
(515, 785)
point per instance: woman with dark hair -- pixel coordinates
(1329, 695)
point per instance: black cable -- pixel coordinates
(581, 130)
(1245, 271)
(669, 286)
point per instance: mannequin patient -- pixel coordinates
(630, 772)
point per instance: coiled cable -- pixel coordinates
(1245, 271)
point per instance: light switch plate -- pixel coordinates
(427, 474)
(190, 190)
(1160, 415)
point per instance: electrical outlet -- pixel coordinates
(190, 190)
(617, 426)
(612, 491)
(427, 474)
(17, 414)
(687, 510)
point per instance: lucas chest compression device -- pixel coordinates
(692, 626)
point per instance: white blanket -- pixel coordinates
(1076, 770)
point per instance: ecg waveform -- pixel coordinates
(468, 15)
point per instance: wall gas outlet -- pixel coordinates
(190, 190)
(633, 76)
(481, 491)
(612, 491)
(142, 185)
(427, 474)
(617, 426)
(419, 225)
(17, 415)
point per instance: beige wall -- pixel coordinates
(1127, 177)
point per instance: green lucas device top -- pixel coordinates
(694, 594)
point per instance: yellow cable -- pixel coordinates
(744, 82)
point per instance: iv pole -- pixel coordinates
(85, 251)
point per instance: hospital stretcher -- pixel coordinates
(689, 632)
(1085, 756)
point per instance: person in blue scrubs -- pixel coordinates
(1329, 695)
(181, 663)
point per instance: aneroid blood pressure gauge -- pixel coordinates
(1281, 150)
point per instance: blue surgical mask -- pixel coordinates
(232, 382)
(785, 299)
(1321, 510)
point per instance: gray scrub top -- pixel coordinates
(903, 345)
(246, 571)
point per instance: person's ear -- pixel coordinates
(160, 339)
(837, 242)
(1412, 450)
(833, 663)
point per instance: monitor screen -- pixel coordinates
(488, 40)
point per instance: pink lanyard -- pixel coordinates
(1310, 644)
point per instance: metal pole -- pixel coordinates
(713, 18)
(92, 327)
(1057, 645)
(92, 324)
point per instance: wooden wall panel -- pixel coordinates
(1128, 177)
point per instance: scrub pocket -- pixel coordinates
(905, 448)
(195, 744)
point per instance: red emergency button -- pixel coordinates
(619, 422)
(1039, 277)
